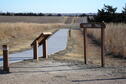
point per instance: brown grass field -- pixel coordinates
(19, 31)
(115, 41)
(65, 66)
(32, 19)
(19, 36)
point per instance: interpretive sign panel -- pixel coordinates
(92, 25)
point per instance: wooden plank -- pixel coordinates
(45, 38)
(47, 33)
(92, 25)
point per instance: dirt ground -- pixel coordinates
(67, 67)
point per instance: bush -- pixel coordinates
(108, 14)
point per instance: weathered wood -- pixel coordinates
(41, 38)
(92, 25)
(5, 58)
(45, 38)
(35, 50)
(45, 49)
(70, 32)
(99, 26)
(102, 46)
(85, 33)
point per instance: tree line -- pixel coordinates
(28, 14)
(41, 14)
(108, 14)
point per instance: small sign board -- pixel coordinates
(41, 38)
(92, 25)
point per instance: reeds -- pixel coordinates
(115, 40)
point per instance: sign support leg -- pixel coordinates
(85, 33)
(102, 47)
(45, 49)
(35, 50)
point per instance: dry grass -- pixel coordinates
(18, 32)
(32, 19)
(74, 52)
(115, 42)
(19, 35)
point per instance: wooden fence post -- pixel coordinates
(5, 59)
(70, 32)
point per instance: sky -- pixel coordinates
(58, 6)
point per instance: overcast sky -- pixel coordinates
(58, 6)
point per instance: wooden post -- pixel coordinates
(35, 50)
(85, 33)
(102, 47)
(45, 49)
(5, 59)
(70, 32)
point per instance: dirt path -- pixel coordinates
(66, 67)
(68, 20)
(54, 72)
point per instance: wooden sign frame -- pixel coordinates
(41, 39)
(101, 26)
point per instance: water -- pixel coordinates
(56, 42)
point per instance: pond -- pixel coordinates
(56, 43)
